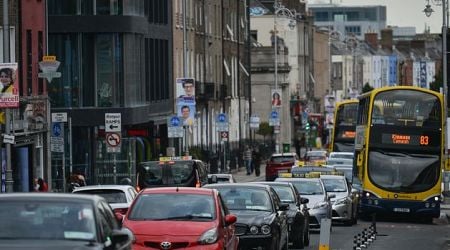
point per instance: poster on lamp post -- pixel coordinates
(276, 98)
(9, 79)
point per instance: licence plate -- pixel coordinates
(282, 171)
(401, 209)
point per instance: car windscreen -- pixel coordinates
(173, 206)
(334, 185)
(308, 187)
(49, 220)
(167, 173)
(110, 195)
(285, 193)
(246, 198)
(280, 159)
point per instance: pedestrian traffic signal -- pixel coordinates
(307, 127)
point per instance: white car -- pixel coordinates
(345, 201)
(339, 158)
(119, 197)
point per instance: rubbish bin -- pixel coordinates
(286, 147)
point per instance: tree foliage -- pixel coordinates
(367, 88)
(264, 129)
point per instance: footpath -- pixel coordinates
(240, 175)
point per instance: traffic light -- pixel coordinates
(307, 127)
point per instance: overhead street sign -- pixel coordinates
(113, 122)
(49, 65)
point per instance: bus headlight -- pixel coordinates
(375, 202)
(433, 204)
(436, 198)
(427, 205)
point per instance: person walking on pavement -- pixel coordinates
(257, 161)
(248, 159)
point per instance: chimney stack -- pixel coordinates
(372, 39)
(386, 39)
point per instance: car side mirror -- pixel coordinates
(331, 196)
(213, 178)
(283, 207)
(230, 219)
(304, 200)
(121, 237)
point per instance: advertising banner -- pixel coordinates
(9, 79)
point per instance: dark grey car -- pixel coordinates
(298, 213)
(59, 221)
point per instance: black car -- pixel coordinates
(261, 217)
(59, 221)
(298, 214)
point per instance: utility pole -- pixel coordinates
(7, 58)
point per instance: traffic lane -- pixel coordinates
(394, 234)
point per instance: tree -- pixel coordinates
(264, 130)
(367, 88)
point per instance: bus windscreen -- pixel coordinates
(171, 173)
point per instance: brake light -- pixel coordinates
(197, 184)
(138, 189)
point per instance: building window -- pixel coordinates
(321, 17)
(29, 63)
(66, 7)
(40, 55)
(355, 30)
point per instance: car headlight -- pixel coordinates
(208, 237)
(265, 229)
(254, 229)
(342, 201)
(320, 205)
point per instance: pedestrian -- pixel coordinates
(42, 185)
(247, 157)
(257, 161)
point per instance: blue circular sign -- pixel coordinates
(274, 115)
(175, 121)
(56, 129)
(222, 117)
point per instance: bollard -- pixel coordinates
(324, 239)
(363, 244)
(356, 243)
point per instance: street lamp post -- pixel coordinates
(280, 10)
(428, 11)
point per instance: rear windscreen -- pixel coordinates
(280, 159)
(110, 195)
(167, 173)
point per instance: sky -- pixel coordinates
(402, 12)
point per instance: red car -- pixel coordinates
(181, 218)
(280, 163)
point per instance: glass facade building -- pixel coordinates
(115, 58)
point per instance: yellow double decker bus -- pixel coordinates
(343, 133)
(399, 151)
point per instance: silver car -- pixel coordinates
(345, 202)
(119, 197)
(319, 201)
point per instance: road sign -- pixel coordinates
(255, 122)
(49, 65)
(113, 139)
(224, 135)
(274, 115)
(222, 122)
(57, 144)
(59, 117)
(175, 121)
(175, 132)
(56, 129)
(10, 139)
(113, 122)
(274, 118)
(222, 117)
